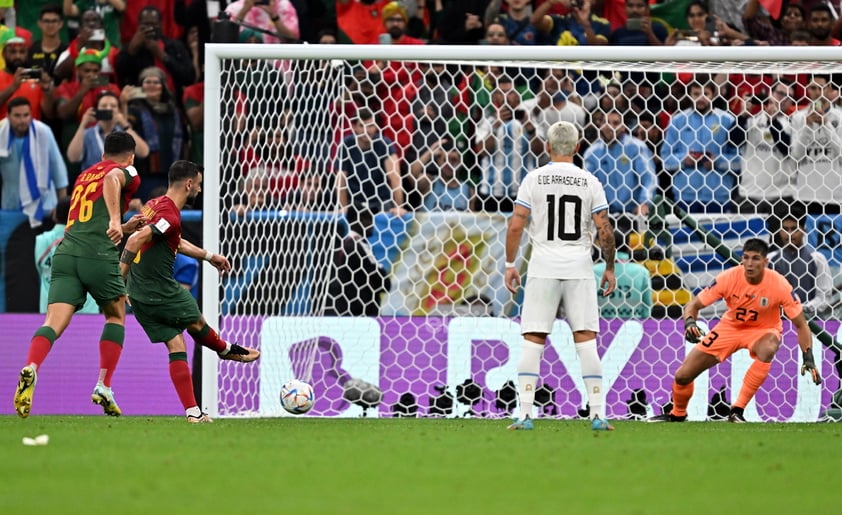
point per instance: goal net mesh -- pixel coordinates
(364, 206)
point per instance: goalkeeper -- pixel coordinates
(755, 296)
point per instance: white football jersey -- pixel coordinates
(561, 198)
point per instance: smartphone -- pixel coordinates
(633, 24)
(103, 114)
(384, 39)
(710, 24)
(101, 80)
(98, 35)
(32, 73)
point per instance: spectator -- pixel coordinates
(156, 118)
(311, 195)
(698, 152)
(432, 109)
(440, 179)
(110, 11)
(44, 53)
(359, 21)
(395, 80)
(18, 81)
(624, 166)
(270, 154)
(640, 29)
(367, 167)
(552, 104)
(580, 27)
(701, 31)
(74, 98)
(632, 298)
(45, 247)
(276, 16)
(760, 26)
(150, 47)
(28, 149)
(194, 110)
(106, 116)
(91, 37)
(805, 268)
(326, 37)
(359, 279)
(820, 25)
(459, 22)
(817, 149)
(520, 29)
(502, 139)
(800, 37)
(767, 174)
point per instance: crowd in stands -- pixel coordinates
(422, 136)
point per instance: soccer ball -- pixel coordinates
(297, 397)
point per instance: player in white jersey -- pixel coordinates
(560, 204)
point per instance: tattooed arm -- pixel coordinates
(605, 235)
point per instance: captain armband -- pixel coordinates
(127, 257)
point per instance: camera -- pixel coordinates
(575, 4)
(103, 114)
(32, 73)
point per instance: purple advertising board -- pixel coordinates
(418, 356)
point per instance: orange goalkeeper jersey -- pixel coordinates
(752, 306)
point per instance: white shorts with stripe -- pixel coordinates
(542, 297)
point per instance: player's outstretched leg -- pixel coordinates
(23, 393)
(208, 337)
(103, 396)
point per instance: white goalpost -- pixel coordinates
(412, 318)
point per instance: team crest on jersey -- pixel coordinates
(764, 302)
(162, 225)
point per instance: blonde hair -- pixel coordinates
(563, 137)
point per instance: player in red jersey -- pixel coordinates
(87, 261)
(756, 295)
(161, 306)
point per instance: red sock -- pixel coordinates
(681, 398)
(180, 375)
(110, 347)
(109, 355)
(40, 346)
(755, 375)
(209, 338)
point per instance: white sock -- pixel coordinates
(227, 349)
(592, 375)
(527, 376)
(193, 412)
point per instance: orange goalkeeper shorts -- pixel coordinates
(725, 340)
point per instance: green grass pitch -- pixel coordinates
(151, 465)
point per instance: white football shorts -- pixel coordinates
(542, 298)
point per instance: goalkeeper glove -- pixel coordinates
(810, 365)
(692, 332)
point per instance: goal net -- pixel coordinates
(362, 194)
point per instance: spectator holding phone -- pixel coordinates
(19, 81)
(276, 16)
(92, 36)
(74, 98)
(149, 47)
(640, 29)
(107, 116)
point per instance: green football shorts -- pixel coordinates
(165, 320)
(73, 277)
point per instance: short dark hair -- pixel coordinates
(51, 8)
(118, 144)
(756, 245)
(182, 170)
(17, 102)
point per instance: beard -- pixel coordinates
(396, 32)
